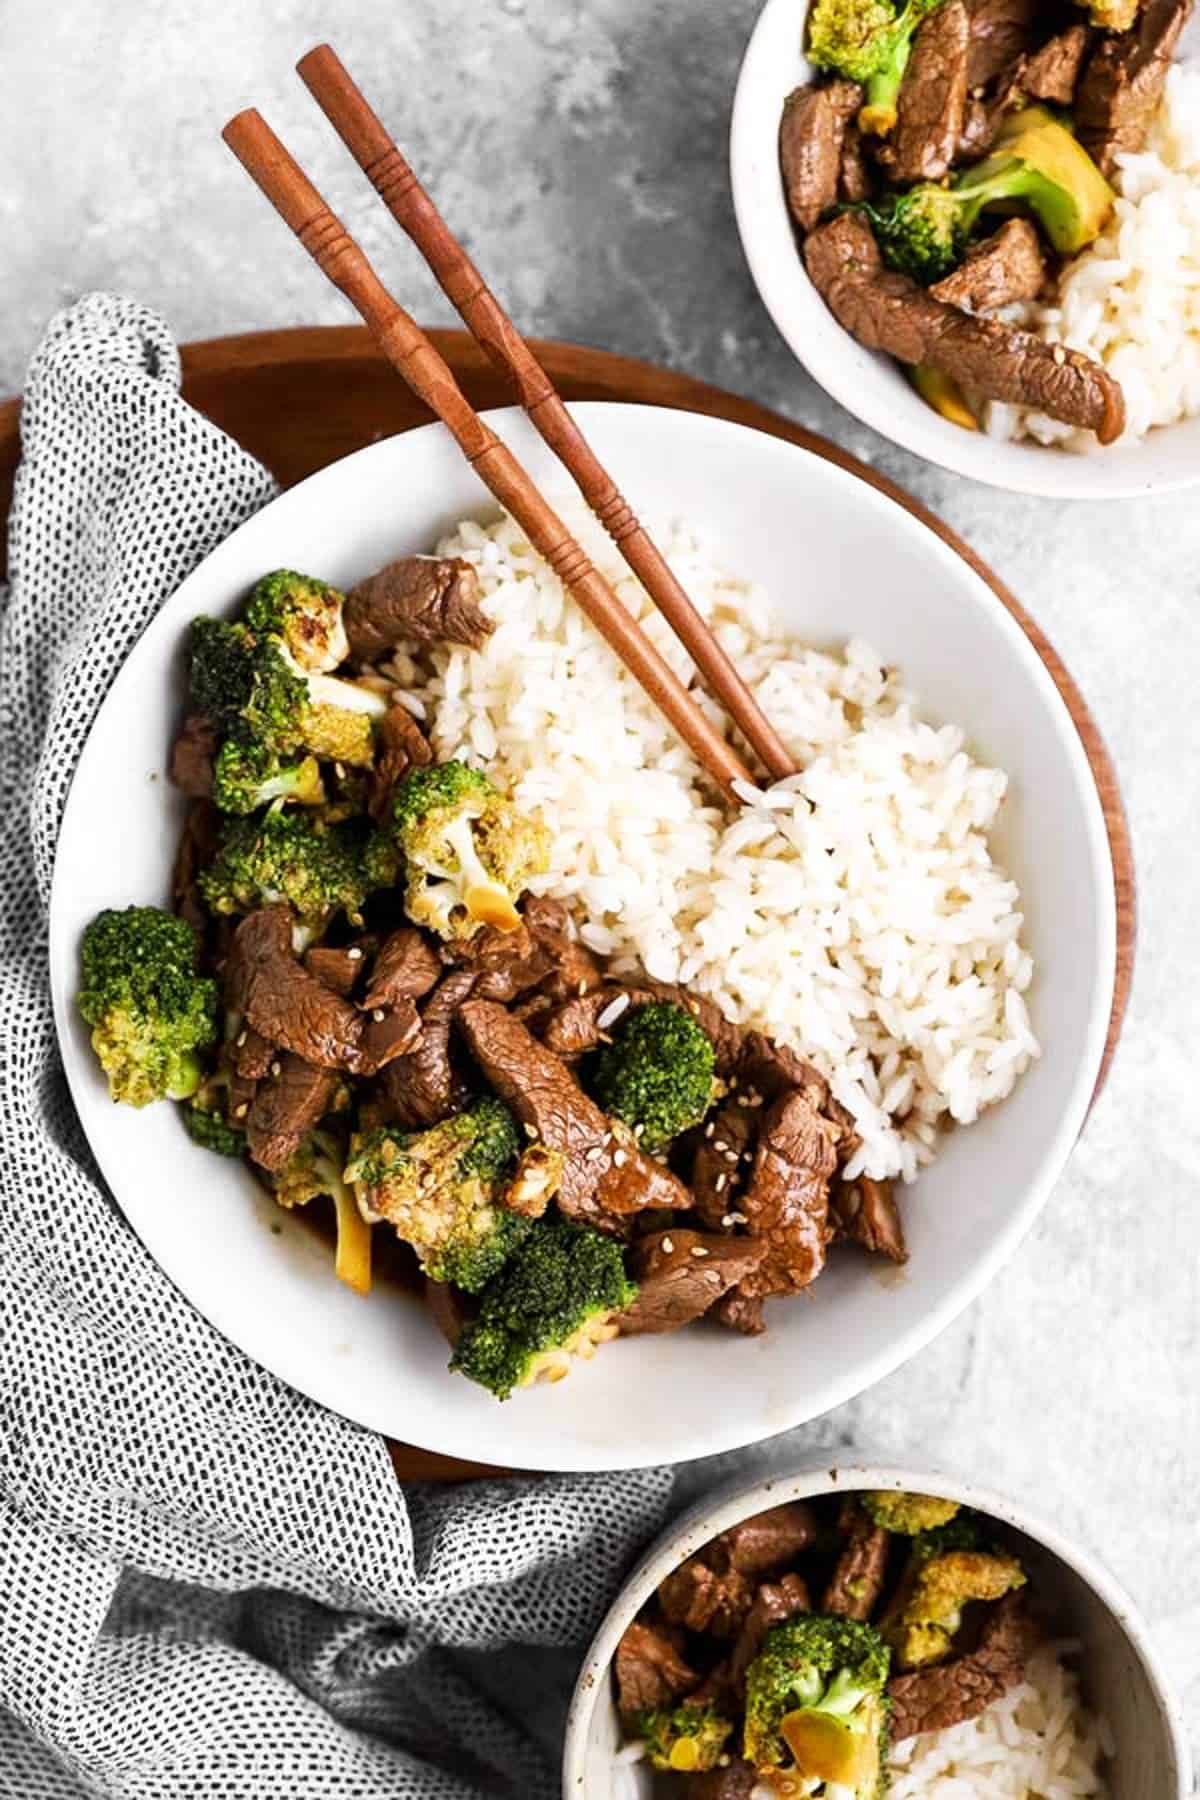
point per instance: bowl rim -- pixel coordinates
(1018, 467)
(811, 1477)
(857, 1376)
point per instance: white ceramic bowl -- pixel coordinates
(1120, 1676)
(871, 386)
(839, 559)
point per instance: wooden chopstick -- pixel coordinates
(409, 351)
(363, 134)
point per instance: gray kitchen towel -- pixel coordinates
(208, 1585)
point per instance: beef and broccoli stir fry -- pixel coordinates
(949, 157)
(796, 1647)
(360, 992)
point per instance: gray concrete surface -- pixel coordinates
(580, 150)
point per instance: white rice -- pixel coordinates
(1132, 300)
(853, 910)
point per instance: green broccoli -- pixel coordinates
(149, 1010)
(305, 614)
(946, 1569)
(816, 1703)
(287, 855)
(908, 1514)
(469, 854)
(247, 776)
(687, 1739)
(556, 1297)
(656, 1074)
(868, 41)
(441, 1191)
(1038, 163)
(207, 1127)
(315, 1169)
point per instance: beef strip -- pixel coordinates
(812, 135)
(506, 963)
(854, 176)
(767, 1541)
(426, 599)
(572, 1028)
(1010, 265)
(650, 1668)
(1052, 72)
(866, 1211)
(787, 1198)
(196, 848)
(858, 1577)
(681, 1274)
(935, 1698)
(193, 754)
(400, 745)
(705, 1599)
(736, 1780)
(389, 1032)
(339, 969)
(1001, 31)
(774, 1604)
(252, 1054)
(1123, 83)
(425, 1087)
(932, 104)
(724, 1153)
(987, 109)
(287, 1106)
(406, 967)
(741, 1312)
(449, 1308)
(886, 311)
(573, 968)
(605, 1175)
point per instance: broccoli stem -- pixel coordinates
(880, 109)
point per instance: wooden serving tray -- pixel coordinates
(301, 399)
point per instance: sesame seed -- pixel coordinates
(274, 1068)
(709, 1129)
(638, 1130)
(354, 953)
(738, 1218)
(620, 1158)
(1060, 355)
(531, 1131)
(377, 1015)
(699, 1250)
(720, 1144)
(668, 1245)
(721, 1183)
(239, 1112)
(714, 1277)
(339, 770)
(241, 1039)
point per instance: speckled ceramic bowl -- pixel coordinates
(1121, 1677)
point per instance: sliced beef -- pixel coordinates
(389, 1032)
(289, 1103)
(741, 1312)
(724, 1153)
(861, 1568)
(252, 1054)
(193, 754)
(339, 969)
(932, 106)
(261, 939)
(987, 109)
(506, 964)
(573, 969)
(400, 745)
(934, 1699)
(811, 139)
(854, 176)
(572, 1027)
(1010, 265)
(866, 1212)
(650, 1667)
(887, 311)
(701, 1598)
(1052, 72)
(449, 1308)
(1001, 31)
(407, 967)
(681, 1274)
(197, 846)
(774, 1604)
(605, 1175)
(736, 1780)
(787, 1197)
(1123, 83)
(767, 1542)
(422, 599)
(766, 1069)
(426, 1086)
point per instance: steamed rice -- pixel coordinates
(1132, 300)
(853, 910)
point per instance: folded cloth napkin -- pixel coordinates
(209, 1586)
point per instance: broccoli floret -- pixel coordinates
(868, 41)
(816, 1703)
(469, 854)
(656, 1074)
(908, 1514)
(688, 1739)
(441, 1191)
(555, 1298)
(247, 776)
(946, 1569)
(305, 613)
(149, 1010)
(286, 856)
(208, 1128)
(316, 1169)
(1038, 163)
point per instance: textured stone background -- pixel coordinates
(580, 150)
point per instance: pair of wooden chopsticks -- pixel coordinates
(405, 345)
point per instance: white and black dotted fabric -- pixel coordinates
(209, 1588)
